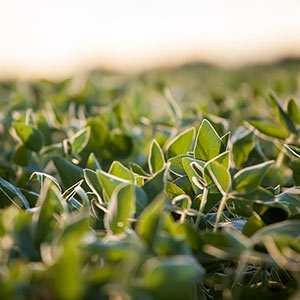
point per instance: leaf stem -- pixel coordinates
(220, 210)
(202, 205)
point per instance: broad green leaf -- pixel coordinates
(191, 173)
(208, 143)
(290, 227)
(93, 163)
(120, 208)
(41, 177)
(293, 111)
(92, 180)
(223, 159)
(121, 171)
(68, 172)
(176, 165)
(31, 137)
(173, 190)
(21, 155)
(247, 180)
(119, 146)
(80, 139)
(172, 277)
(220, 176)
(225, 141)
(156, 159)
(109, 182)
(156, 184)
(149, 221)
(270, 129)
(50, 203)
(11, 192)
(242, 147)
(283, 117)
(253, 224)
(137, 169)
(182, 143)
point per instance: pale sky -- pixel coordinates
(49, 38)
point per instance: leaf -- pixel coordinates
(120, 208)
(109, 182)
(174, 107)
(121, 171)
(191, 173)
(283, 117)
(21, 155)
(293, 111)
(247, 180)
(290, 227)
(294, 150)
(182, 143)
(149, 221)
(93, 163)
(242, 147)
(68, 172)
(176, 165)
(225, 141)
(137, 169)
(220, 176)
(156, 159)
(270, 129)
(11, 191)
(31, 137)
(80, 139)
(92, 180)
(50, 203)
(208, 143)
(156, 184)
(41, 177)
(253, 224)
(172, 277)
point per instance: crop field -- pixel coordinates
(173, 184)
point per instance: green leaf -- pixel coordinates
(120, 208)
(225, 141)
(176, 165)
(156, 159)
(41, 177)
(182, 143)
(68, 172)
(93, 163)
(293, 149)
(137, 169)
(11, 192)
(191, 173)
(172, 277)
(174, 108)
(21, 155)
(109, 183)
(208, 143)
(283, 117)
(220, 176)
(50, 203)
(31, 137)
(293, 111)
(290, 227)
(156, 184)
(270, 129)
(121, 171)
(149, 221)
(80, 139)
(242, 147)
(92, 180)
(253, 224)
(247, 180)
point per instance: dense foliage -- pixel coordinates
(179, 184)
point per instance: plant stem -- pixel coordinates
(202, 205)
(220, 210)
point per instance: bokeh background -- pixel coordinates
(54, 39)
